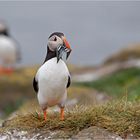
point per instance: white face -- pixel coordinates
(54, 42)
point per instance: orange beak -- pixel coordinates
(64, 50)
(67, 45)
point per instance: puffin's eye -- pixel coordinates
(55, 39)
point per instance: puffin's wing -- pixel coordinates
(69, 81)
(35, 84)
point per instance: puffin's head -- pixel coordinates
(3, 29)
(58, 43)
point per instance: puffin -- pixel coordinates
(53, 77)
(9, 50)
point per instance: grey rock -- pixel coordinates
(95, 133)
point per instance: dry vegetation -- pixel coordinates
(121, 117)
(129, 53)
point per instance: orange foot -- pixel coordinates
(62, 114)
(8, 71)
(45, 115)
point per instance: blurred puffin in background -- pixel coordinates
(53, 78)
(9, 50)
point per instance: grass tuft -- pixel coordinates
(121, 117)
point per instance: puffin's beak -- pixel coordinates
(63, 52)
(67, 45)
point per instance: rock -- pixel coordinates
(13, 135)
(105, 70)
(88, 133)
(131, 137)
(37, 135)
(96, 134)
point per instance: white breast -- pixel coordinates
(7, 49)
(52, 80)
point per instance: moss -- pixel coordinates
(117, 83)
(121, 117)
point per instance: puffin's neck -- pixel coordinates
(50, 54)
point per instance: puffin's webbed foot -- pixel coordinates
(62, 114)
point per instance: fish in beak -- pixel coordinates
(63, 51)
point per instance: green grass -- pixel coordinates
(121, 117)
(119, 83)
